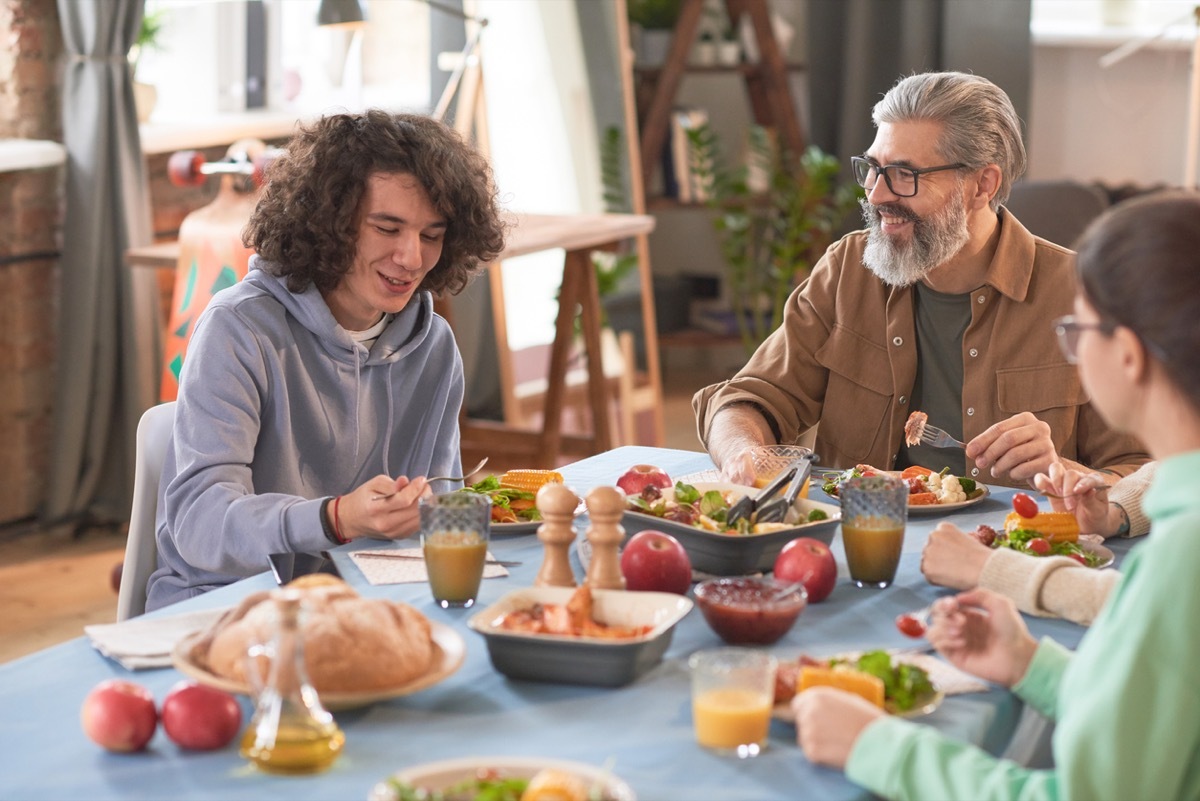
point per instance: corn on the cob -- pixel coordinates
(1054, 526)
(530, 480)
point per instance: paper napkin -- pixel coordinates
(405, 566)
(141, 643)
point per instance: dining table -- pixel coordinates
(641, 731)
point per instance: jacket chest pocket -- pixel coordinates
(1053, 393)
(858, 397)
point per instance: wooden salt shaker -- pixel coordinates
(557, 505)
(605, 506)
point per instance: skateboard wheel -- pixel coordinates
(184, 168)
(260, 165)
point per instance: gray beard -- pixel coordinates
(935, 240)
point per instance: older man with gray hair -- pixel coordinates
(952, 315)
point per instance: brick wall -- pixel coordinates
(30, 234)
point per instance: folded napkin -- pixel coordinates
(142, 642)
(383, 566)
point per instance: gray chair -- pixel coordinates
(141, 549)
(1056, 210)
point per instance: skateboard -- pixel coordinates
(211, 254)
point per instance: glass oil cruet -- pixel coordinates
(290, 731)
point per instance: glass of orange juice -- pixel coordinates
(454, 538)
(732, 693)
(874, 513)
(771, 460)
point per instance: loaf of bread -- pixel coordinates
(351, 643)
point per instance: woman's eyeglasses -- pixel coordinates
(1067, 328)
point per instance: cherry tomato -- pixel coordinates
(910, 626)
(1024, 505)
(1080, 558)
(1039, 545)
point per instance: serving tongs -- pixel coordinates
(748, 505)
(776, 510)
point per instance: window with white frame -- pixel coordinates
(198, 64)
(1091, 14)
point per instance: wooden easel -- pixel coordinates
(634, 393)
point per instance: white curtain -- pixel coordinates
(108, 345)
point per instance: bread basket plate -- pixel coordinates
(437, 776)
(189, 658)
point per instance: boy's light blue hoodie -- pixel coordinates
(279, 409)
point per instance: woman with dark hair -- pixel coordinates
(323, 381)
(1127, 703)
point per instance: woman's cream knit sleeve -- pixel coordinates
(1052, 586)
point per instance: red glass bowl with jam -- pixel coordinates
(748, 610)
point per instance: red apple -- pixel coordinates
(640, 476)
(655, 561)
(200, 718)
(119, 715)
(810, 562)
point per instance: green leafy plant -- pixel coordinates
(770, 237)
(148, 37)
(655, 14)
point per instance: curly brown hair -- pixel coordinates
(307, 221)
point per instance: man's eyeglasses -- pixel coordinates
(1067, 329)
(901, 180)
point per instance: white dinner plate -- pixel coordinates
(436, 776)
(935, 508)
(942, 508)
(784, 711)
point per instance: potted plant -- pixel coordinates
(654, 22)
(774, 216)
(145, 96)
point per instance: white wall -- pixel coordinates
(1125, 124)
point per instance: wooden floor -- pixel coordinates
(52, 585)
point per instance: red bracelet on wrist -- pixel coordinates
(337, 523)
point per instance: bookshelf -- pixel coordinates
(766, 81)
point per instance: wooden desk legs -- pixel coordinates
(579, 289)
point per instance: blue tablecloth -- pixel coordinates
(645, 728)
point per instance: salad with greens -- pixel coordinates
(509, 504)
(905, 686)
(1023, 540)
(708, 510)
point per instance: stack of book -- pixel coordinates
(679, 179)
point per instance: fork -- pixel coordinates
(463, 477)
(774, 511)
(937, 438)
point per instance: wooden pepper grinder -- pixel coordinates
(557, 505)
(605, 506)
